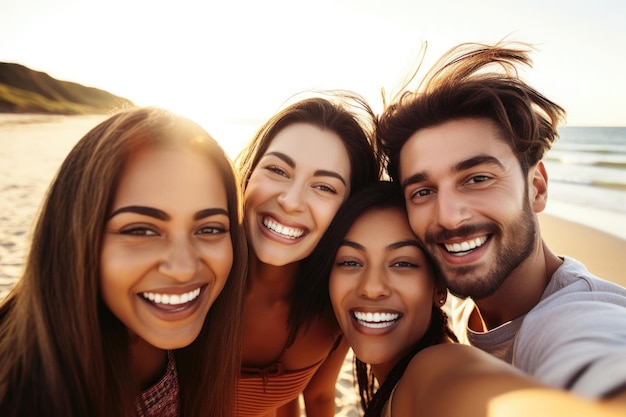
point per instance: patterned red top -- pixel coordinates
(161, 399)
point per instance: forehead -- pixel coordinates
(308, 143)
(442, 146)
(381, 226)
(166, 175)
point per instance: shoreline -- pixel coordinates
(604, 220)
(601, 252)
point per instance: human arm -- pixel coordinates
(457, 380)
(584, 351)
(319, 395)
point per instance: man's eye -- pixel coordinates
(422, 192)
(478, 178)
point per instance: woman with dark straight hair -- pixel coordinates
(300, 167)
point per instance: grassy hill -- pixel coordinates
(23, 90)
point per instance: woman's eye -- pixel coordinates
(138, 231)
(348, 263)
(326, 188)
(277, 170)
(212, 230)
(404, 264)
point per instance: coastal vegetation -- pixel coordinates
(23, 90)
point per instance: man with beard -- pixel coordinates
(466, 149)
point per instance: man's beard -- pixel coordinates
(519, 243)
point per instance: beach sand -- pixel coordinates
(604, 254)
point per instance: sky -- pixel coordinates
(232, 62)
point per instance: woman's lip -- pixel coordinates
(169, 312)
(275, 235)
(169, 297)
(375, 321)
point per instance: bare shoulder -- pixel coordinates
(453, 358)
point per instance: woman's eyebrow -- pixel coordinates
(145, 211)
(326, 173)
(210, 212)
(403, 243)
(319, 173)
(283, 157)
(161, 215)
(352, 244)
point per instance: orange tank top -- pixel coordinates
(261, 391)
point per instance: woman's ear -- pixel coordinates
(440, 295)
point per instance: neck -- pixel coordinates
(519, 293)
(148, 363)
(381, 371)
(276, 280)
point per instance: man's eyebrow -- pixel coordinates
(477, 160)
(145, 211)
(461, 166)
(209, 212)
(414, 179)
(319, 173)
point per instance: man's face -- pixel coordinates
(468, 202)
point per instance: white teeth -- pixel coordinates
(376, 320)
(466, 246)
(172, 299)
(283, 230)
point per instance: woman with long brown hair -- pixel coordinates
(300, 167)
(130, 299)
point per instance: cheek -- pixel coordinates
(227, 259)
(253, 188)
(113, 266)
(124, 263)
(418, 221)
(419, 290)
(220, 259)
(117, 275)
(325, 213)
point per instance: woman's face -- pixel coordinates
(167, 250)
(294, 192)
(382, 288)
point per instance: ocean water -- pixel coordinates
(587, 177)
(586, 169)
